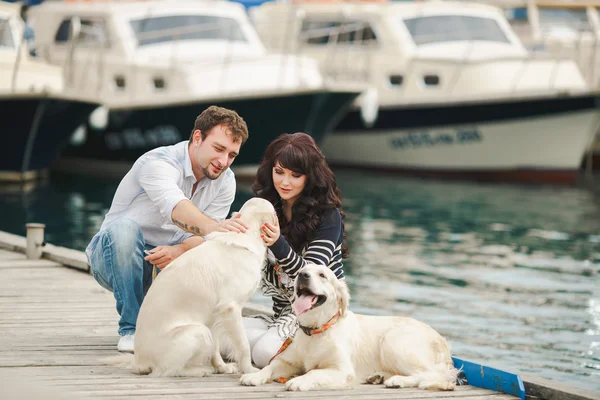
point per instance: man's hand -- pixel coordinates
(231, 225)
(270, 233)
(161, 256)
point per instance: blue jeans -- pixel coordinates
(118, 265)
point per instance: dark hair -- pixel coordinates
(299, 153)
(214, 116)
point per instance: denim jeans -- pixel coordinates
(118, 265)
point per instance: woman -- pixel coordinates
(295, 178)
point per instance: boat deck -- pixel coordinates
(56, 324)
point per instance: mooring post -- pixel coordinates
(35, 241)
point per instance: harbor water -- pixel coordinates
(510, 274)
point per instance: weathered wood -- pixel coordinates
(57, 325)
(62, 255)
(6, 255)
(549, 390)
(16, 263)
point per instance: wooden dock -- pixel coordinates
(56, 323)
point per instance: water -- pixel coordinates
(509, 274)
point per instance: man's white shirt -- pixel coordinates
(156, 183)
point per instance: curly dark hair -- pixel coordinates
(215, 115)
(299, 152)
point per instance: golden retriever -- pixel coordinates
(196, 301)
(398, 352)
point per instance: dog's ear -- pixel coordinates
(343, 295)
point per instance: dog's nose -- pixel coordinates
(303, 278)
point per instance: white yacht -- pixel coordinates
(36, 119)
(563, 28)
(454, 91)
(156, 65)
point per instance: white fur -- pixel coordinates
(196, 301)
(395, 351)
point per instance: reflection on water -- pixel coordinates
(510, 274)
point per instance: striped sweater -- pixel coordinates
(284, 264)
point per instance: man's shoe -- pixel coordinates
(126, 343)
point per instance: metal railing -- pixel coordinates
(347, 39)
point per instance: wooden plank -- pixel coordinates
(260, 391)
(11, 255)
(57, 325)
(549, 390)
(14, 243)
(16, 263)
(71, 258)
(67, 257)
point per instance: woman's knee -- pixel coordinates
(265, 349)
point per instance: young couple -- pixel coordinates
(174, 196)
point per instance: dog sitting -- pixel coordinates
(335, 347)
(196, 301)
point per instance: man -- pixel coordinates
(167, 202)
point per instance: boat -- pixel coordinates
(563, 28)
(155, 65)
(454, 92)
(37, 119)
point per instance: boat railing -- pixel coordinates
(581, 46)
(343, 60)
(17, 43)
(342, 38)
(173, 35)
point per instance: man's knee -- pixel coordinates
(125, 238)
(121, 245)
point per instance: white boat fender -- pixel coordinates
(99, 118)
(369, 107)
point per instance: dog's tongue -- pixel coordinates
(303, 303)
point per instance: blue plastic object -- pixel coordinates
(491, 378)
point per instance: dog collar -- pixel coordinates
(315, 331)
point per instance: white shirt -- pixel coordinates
(156, 183)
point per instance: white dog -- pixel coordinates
(198, 299)
(336, 347)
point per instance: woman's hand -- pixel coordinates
(270, 233)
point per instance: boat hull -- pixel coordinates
(527, 140)
(132, 132)
(35, 128)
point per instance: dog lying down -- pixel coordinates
(336, 347)
(197, 299)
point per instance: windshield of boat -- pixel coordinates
(6, 36)
(569, 21)
(154, 30)
(452, 28)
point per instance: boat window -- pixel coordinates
(452, 28)
(564, 21)
(93, 32)
(348, 32)
(6, 36)
(186, 27)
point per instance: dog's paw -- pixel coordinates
(400, 382)
(376, 379)
(254, 379)
(300, 384)
(249, 369)
(230, 368)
